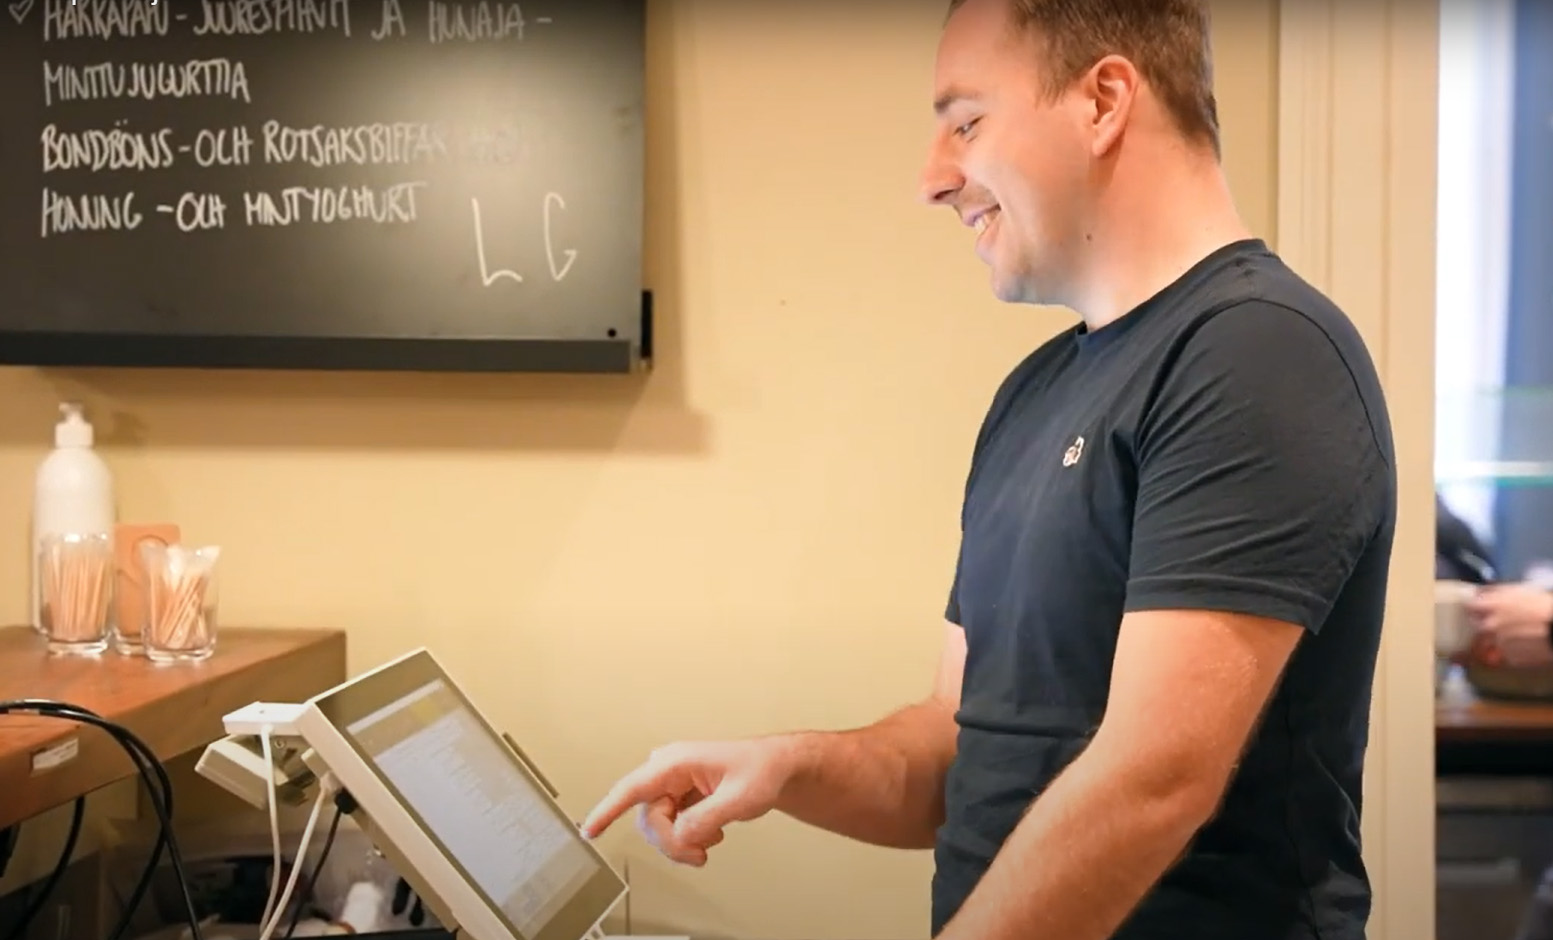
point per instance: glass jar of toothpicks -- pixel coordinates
(180, 595)
(76, 574)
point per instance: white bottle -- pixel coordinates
(73, 492)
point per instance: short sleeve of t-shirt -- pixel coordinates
(1262, 473)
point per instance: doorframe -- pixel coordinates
(1357, 117)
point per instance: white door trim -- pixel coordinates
(1357, 111)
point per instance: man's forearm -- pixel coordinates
(883, 784)
(1087, 852)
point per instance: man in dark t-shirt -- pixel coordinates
(1151, 712)
(1224, 447)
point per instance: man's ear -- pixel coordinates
(1111, 87)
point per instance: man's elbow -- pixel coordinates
(1199, 799)
(1181, 788)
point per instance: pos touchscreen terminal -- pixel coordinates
(449, 801)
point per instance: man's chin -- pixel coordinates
(1013, 289)
(1009, 290)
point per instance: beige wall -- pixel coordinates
(759, 535)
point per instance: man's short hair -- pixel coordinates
(1167, 40)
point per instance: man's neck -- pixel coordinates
(1151, 230)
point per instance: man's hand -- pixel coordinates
(689, 792)
(882, 784)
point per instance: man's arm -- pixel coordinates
(1261, 481)
(1187, 688)
(882, 784)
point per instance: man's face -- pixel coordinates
(1008, 163)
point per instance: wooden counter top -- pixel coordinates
(174, 708)
(1469, 718)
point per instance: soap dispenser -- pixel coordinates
(73, 491)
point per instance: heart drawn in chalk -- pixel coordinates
(20, 9)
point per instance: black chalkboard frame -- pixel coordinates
(340, 354)
(620, 343)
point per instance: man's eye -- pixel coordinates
(965, 129)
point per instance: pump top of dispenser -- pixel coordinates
(73, 430)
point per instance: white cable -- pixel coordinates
(268, 750)
(326, 788)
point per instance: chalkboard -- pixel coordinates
(376, 184)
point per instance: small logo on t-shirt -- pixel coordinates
(1073, 453)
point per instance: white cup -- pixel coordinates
(1453, 630)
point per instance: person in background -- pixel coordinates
(1514, 624)
(1152, 708)
(1459, 555)
(1513, 620)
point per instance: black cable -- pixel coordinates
(154, 774)
(312, 877)
(148, 872)
(8, 838)
(66, 855)
(151, 771)
(157, 782)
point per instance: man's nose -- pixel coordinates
(941, 179)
